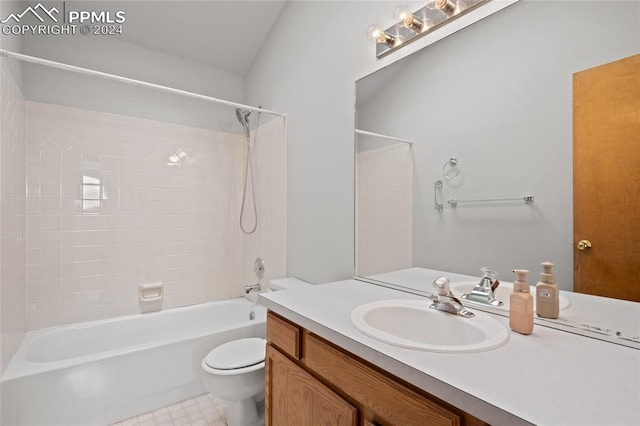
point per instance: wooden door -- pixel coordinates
(606, 173)
(295, 398)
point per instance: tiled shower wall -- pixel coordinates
(115, 201)
(384, 209)
(269, 241)
(12, 227)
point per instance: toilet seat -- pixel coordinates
(237, 356)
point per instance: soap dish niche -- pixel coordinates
(150, 297)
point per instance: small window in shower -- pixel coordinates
(91, 193)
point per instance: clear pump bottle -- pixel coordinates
(521, 304)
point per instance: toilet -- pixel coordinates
(234, 371)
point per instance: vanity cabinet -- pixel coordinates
(297, 398)
(310, 381)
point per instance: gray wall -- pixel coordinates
(531, 44)
(110, 55)
(307, 67)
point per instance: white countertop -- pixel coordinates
(592, 312)
(548, 378)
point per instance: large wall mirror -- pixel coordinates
(489, 114)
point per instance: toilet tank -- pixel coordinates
(287, 283)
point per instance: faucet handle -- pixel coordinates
(488, 273)
(446, 301)
(442, 286)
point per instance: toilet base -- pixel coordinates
(245, 413)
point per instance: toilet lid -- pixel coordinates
(237, 354)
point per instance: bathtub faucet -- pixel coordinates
(249, 288)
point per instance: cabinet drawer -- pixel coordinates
(284, 335)
(390, 401)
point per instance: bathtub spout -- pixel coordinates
(249, 288)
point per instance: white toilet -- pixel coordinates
(234, 371)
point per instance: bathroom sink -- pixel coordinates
(413, 324)
(501, 293)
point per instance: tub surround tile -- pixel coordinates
(161, 412)
(384, 194)
(145, 417)
(163, 420)
(126, 201)
(13, 192)
(269, 241)
(195, 417)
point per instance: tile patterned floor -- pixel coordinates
(203, 410)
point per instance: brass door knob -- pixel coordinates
(583, 245)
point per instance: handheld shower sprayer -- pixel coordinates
(243, 118)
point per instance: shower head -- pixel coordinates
(243, 115)
(243, 118)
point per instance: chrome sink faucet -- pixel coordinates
(445, 300)
(483, 292)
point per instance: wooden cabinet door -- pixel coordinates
(295, 398)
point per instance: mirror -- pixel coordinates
(496, 97)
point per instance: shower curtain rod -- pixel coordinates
(86, 71)
(378, 135)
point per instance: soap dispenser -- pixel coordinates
(547, 296)
(521, 304)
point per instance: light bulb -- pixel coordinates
(448, 7)
(374, 32)
(402, 12)
(460, 6)
(409, 20)
(377, 34)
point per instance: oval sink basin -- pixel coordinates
(413, 324)
(501, 293)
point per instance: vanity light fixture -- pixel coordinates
(411, 25)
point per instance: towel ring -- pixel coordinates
(450, 168)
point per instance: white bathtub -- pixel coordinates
(100, 372)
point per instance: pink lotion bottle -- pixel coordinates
(521, 304)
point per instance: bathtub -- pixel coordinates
(100, 372)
